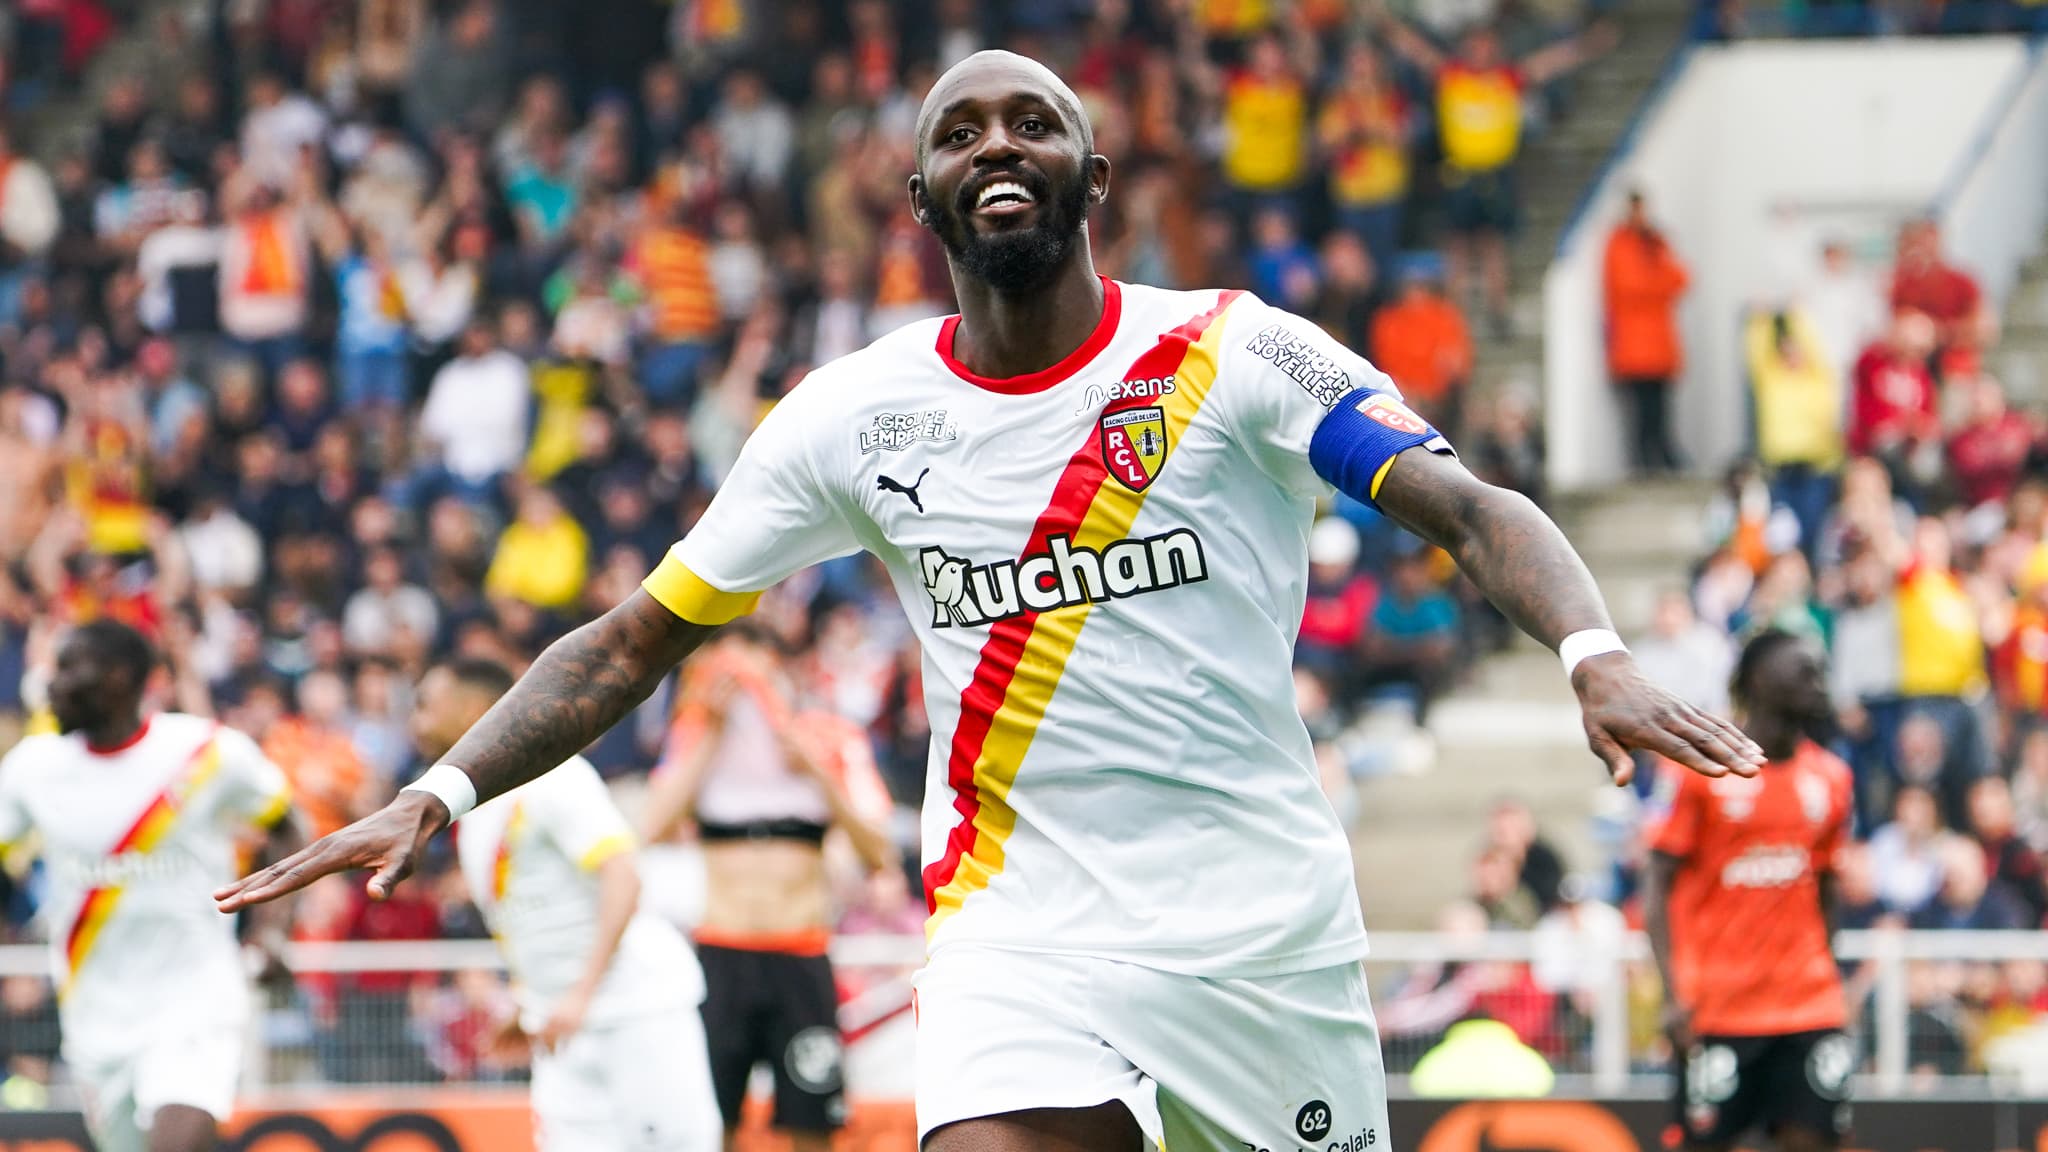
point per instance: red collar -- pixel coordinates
(134, 738)
(1039, 381)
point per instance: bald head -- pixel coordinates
(995, 69)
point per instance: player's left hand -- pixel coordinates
(1623, 711)
(565, 1021)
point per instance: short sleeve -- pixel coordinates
(1677, 806)
(771, 518)
(1286, 379)
(573, 808)
(256, 791)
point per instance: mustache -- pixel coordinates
(970, 191)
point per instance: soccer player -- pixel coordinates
(1738, 902)
(607, 994)
(141, 816)
(1094, 501)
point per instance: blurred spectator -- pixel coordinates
(1264, 112)
(1686, 655)
(2030, 788)
(1281, 264)
(1846, 308)
(387, 608)
(1420, 340)
(1986, 454)
(475, 419)
(264, 273)
(542, 556)
(1799, 414)
(2020, 662)
(1906, 854)
(460, 74)
(1966, 902)
(1923, 282)
(1508, 449)
(329, 784)
(1511, 830)
(1642, 281)
(1479, 127)
(2014, 867)
(1339, 602)
(1414, 635)
(1892, 416)
(28, 224)
(1363, 131)
(278, 130)
(1498, 891)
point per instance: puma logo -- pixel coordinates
(889, 484)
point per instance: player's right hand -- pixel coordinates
(389, 840)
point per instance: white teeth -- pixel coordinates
(1002, 188)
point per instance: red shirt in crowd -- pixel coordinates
(405, 915)
(1894, 401)
(1335, 617)
(1748, 937)
(1942, 291)
(1987, 457)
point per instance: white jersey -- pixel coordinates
(530, 858)
(135, 840)
(1105, 563)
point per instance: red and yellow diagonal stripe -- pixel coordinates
(501, 864)
(1024, 657)
(145, 835)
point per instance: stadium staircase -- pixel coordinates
(1559, 164)
(1513, 728)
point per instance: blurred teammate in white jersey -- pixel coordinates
(607, 995)
(140, 816)
(1093, 500)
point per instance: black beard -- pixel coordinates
(1021, 260)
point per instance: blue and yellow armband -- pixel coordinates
(1355, 445)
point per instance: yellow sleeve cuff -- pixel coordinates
(604, 850)
(275, 810)
(685, 593)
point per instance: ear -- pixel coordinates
(1098, 178)
(920, 201)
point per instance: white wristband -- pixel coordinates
(451, 784)
(1588, 642)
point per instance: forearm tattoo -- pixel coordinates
(1504, 544)
(582, 685)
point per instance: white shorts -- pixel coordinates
(1278, 1063)
(197, 1065)
(642, 1084)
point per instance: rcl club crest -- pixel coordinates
(1134, 445)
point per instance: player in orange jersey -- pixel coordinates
(1738, 901)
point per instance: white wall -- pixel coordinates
(1754, 153)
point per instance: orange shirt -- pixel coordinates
(1643, 280)
(322, 765)
(1749, 942)
(2023, 660)
(1423, 344)
(676, 269)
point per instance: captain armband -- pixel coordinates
(1355, 445)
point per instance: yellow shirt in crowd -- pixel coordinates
(1941, 648)
(542, 566)
(1265, 132)
(1479, 116)
(1798, 407)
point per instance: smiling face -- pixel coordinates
(1006, 171)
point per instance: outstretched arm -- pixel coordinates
(1518, 558)
(582, 685)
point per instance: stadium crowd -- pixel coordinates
(1892, 510)
(353, 336)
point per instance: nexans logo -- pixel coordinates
(965, 594)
